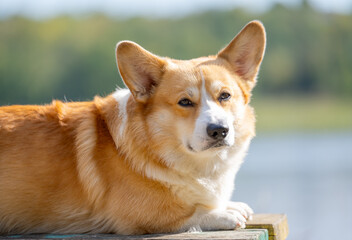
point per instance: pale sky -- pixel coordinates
(41, 9)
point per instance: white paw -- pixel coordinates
(222, 220)
(242, 208)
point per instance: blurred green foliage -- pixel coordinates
(308, 52)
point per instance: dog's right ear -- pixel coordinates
(246, 51)
(140, 70)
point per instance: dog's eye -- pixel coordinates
(185, 102)
(224, 96)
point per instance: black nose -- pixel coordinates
(217, 132)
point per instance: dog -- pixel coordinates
(157, 157)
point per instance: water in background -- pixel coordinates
(308, 176)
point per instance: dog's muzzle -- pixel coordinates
(215, 138)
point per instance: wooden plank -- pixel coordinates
(262, 227)
(276, 224)
(251, 234)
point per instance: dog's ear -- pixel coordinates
(245, 52)
(140, 70)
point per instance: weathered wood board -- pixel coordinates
(276, 224)
(253, 234)
(262, 227)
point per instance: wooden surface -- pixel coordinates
(262, 227)
(252, 234)
(276, 224)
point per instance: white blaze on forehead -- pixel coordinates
(210, 113)
(210, 110)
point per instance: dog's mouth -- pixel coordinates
(190, 148)
(215, 144)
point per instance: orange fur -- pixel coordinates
(65, 170)
(117, 164)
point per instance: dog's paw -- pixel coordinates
(242, 208)
(223, 220)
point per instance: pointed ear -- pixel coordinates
(245, 52)
(140, 70)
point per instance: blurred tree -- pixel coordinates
(307, 52)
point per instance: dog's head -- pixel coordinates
(198, 105)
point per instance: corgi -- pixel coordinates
(157, 157)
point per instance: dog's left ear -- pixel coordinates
(245, 52)
(140, 70)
